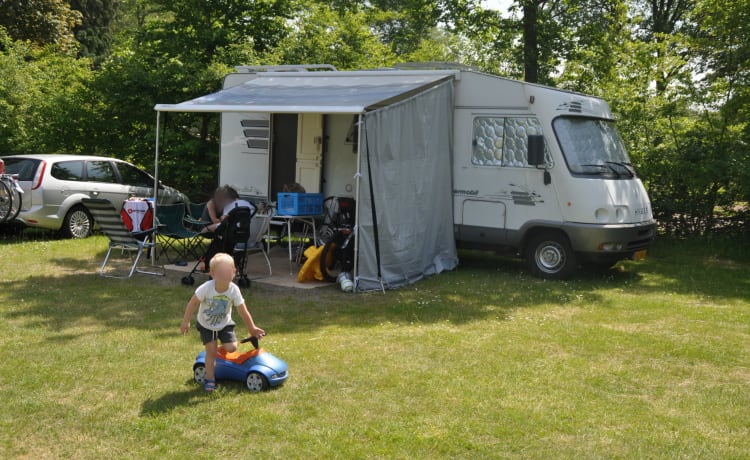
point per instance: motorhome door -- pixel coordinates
(309, 151)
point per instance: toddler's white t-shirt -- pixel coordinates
(215, 311)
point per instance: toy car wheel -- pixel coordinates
(256, 382)
(199, 374)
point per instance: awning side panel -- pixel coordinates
(409, 146)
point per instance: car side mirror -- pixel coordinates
(536, 150)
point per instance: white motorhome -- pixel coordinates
(510, 165)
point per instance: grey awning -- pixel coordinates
(314, 92)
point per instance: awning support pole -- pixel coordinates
(156, 182)
(357, 176)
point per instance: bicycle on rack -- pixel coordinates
(338, 234)
(10, 197)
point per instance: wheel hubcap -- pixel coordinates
(254, 382)
(550, 257)
(79, 224)
(200, 375)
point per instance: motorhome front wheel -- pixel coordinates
(549, 255)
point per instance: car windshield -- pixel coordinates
(593, 147)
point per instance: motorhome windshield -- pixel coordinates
(593, 147)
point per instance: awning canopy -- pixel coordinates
(314, 92)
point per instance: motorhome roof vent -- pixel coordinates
(572, 106)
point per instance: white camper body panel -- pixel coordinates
(500, 200)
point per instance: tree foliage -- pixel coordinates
(676, 73)
(339, 37)
(42, 22)
(38, 88)
(94, 33)
(182, 51)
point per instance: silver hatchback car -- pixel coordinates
(54, 186)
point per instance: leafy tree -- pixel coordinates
(181, 51)
(723, 91)
(94, 33)
(403, 25)
(37, 87)
(664, 22)
(341, 37)
(42, 22)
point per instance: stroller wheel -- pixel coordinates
(243, 282)
(188, 280)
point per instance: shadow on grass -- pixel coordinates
(173, 400)
(12, 233)
(70, 300)
(718, 268)
(194, 397)
(484, 286)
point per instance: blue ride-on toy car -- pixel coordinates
(258, 368)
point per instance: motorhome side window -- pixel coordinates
(503, 141)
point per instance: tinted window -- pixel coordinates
(68, 170)
(131, 175)
(24, 167)
(100, 171)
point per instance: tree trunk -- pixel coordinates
(530, 42)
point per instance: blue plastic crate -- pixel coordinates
(300, 204)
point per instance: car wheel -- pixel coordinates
(256, 382)
(78, 223)
(199, 374)
(549, 255)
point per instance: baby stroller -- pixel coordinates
(233, 231)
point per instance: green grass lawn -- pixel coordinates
(648, 360)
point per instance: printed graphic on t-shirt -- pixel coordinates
(217, 309)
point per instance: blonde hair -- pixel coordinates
(219, 258)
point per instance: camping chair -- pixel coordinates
(172, 233)
(233, 230)
(194, 219)
(110, 222)
(255, 243)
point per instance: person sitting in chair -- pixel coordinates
(228, 195)
(214, 207)
(234, 201)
